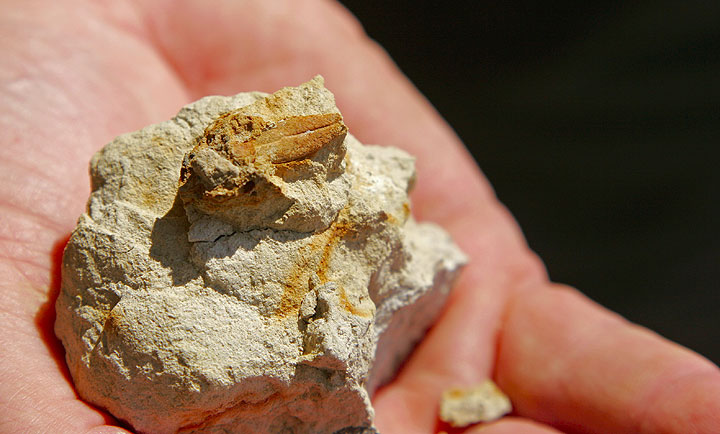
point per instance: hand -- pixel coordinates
(76, 73)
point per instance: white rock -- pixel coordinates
(271, 289)
(464, 406)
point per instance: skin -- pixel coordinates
(74, 74)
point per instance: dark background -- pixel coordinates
(597, 123)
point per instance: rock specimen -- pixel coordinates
(461, 407)
(248, 267)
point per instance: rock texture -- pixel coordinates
(248, 267)
(485, 402)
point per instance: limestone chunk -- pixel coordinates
(248, 267)
(485, 402)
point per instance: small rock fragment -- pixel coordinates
(461, 407)
(248, 267)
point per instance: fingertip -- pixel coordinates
(689, 402)
(569, 362)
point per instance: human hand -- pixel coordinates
(76, 73)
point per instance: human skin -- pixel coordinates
(74, 74)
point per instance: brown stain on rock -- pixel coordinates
(255, 145)
(348, 306)
(394, 220)
(260, 148)
(406, 210)
(291, 139)
(315, 258)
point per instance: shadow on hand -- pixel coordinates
(45, 316)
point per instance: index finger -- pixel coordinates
(568, 362)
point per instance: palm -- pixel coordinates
(74, 78)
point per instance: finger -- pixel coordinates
(513, 425)
(568, 362)
(458, 351)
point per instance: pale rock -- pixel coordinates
(248, 267)
(464, 406)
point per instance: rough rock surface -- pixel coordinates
(239, 265)
(485, 402)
